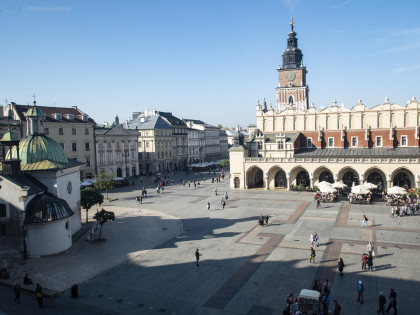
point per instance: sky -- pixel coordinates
(201, 59)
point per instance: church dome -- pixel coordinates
(37, 148)
(35, 112)
(47, 208)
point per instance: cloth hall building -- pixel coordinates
(298, 144)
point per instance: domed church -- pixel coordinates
(39, 193)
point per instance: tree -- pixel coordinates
(104, 182)
(90, 197)
(224, 163)
(102, 217)
(219, 126)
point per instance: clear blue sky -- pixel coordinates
(208, 60)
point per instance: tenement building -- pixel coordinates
(70, 127)
(297, 144)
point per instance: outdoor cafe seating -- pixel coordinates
(360, 198)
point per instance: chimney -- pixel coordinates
(1, 111)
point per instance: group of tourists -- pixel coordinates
(263, 220)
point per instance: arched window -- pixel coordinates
(290, 100)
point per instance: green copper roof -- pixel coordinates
(35, 112)
(37, 148)
(10, 137)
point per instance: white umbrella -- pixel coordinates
(118, 178)
(85, 183)
(370, 185)
(339, 185)
(397, 190)
(324, 184)
(359, 190)
(327, 190)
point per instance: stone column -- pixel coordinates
(361, 178)
(311, 180)
(288, 180)
(266, 181)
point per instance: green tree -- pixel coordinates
(102, 217)
(224, 163)
(104, 182)
(219, 126)
(90, 197)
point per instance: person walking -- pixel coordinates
(318, 202)
(197, 257)
(382, 302)
(360, 290)
(16, 291)
(370, 262)
(364, 261)
(341, 266)
(223, 203)
(208, 206)
(364, 221)
(39, 295)
(325, 300)
(266, 220)
(327, 287)
(392, 302)
(226, 196)
(215, 191)
(312, 255)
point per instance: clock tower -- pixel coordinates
(292, 91)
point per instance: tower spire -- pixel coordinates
(292, 24)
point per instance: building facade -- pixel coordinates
(70, 127)
(302, 146)
(155, 142)
(117, 151)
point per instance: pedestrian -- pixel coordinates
(208, 206)
(336, 308)
(197, 257)
(382, 302)
(27, 280)
(318, 202)
(392, 301)
(327, 287)
(141, 180)
(360, 290)
(195, 185)
(137, 200)
(141, 199)
(312, 255)
(341, 266)
(364, 260)
(16, 290)
(365, 221)
(370, 262)
(369, 248)
(316, 238)
(215, 191)
(266, 220)
(226, 196)
(39, 295)
(325, 300)
(172, 182)
(189, 184)
(222, 203)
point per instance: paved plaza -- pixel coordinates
(147, 265)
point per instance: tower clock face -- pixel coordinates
(290, 76)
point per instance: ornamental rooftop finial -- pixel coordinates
(292, 24)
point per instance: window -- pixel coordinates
(74, 146)
(354, 141)
(73, 131)
(309, 143)
(132, 155)
(259, 145)
(62, 145)
(46, 131)
(158, 155)
(86, 131)
(280, 145)
(379, 141)
(147, 144)
(61, 131)
(87, 147)
(139, 144)
(331, 142)
(101, 158)
(403, 141)
(147, 156)
(88, 161)
(109, 157)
